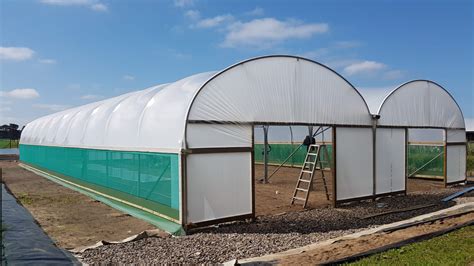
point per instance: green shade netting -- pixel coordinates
(147, 179)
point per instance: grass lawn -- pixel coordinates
(455, 248)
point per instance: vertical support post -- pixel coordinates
(406, 161)
(292, 147)
(467, 154)
(374, 157)
(174, 172)
(252, 161)
(139, 174)
(322, 137)
(445, 161)
(334, 166)
(265, 154)
(183, 214)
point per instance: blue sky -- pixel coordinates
(57, 54)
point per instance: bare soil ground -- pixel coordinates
(74, 220)
(346, 248)
(275, 197)
(69, 217)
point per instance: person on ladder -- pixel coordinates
(308, 141)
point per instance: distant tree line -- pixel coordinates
(10, 131)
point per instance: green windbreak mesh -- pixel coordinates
(148, 179)
(280, 151)
(425, 160)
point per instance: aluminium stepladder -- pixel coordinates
(304, 185)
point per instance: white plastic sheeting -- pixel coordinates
(269, 89)
(390, 160)
(280, 89)
(456, 135)
(420, 103)
(212, 136)
(429, 135)
(149, 120)
(219, 185)
(354, 163)
(374, 97)
(456, 163)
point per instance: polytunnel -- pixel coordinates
(420, 133)
(184, 152)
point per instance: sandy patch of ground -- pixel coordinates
(351, 247)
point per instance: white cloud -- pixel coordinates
(258, 11)
(192, 14)
(99, 7)
(92, 4)
(214, 22)
(16, 53)
(91, 97)
(269, 31)
(47, 61)
(364, 67)
(22, 94)
(51, 107)
(183, 3)
(128, 77)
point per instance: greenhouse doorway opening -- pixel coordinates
(279, 154)
(426, 161)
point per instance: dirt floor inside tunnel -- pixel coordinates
(275, 197)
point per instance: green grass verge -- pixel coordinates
(5, 144)
(455, 248)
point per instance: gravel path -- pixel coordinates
(267, 234)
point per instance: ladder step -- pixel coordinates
(298, 198)
(302, 189)
(306, 171)
(304, 180)
(310, 162)
(310, 153)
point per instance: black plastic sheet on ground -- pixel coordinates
(23, 241)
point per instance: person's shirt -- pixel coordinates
(309, 140)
